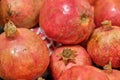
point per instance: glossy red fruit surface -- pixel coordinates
(67, 21)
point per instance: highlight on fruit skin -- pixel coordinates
(107, 10)
(23, 54)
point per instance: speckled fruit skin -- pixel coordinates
(62, 20)
(25, 57)
(24, 13)
(57, 65)
(92, 2)
(104, 46)
(0, 15)
(83, 73)
(114, 75)
(107, 10)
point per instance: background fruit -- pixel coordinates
(107, 10)
(24, 13)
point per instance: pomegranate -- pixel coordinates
(92, 2)
(112, 74)
(107, 10)
(104, 45)
(83, 73)
(65, 57)
(67, 21)
(24, 13)
(23, 55)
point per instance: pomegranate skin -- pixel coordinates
(24, 13)
(83, 73)
(67, 21)
(113, 75)
(104, 46)
(57, 65)
(107, 10)
(0, 16)
(24, 58)
(92, 2)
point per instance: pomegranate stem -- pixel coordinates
(108, 67)
(10, 30)
(68, 55)
(84, 19)
(107, 25)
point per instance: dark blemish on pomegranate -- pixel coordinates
(79, 36)
(108, 29)
(60, 35)
(96, 40)
(83, 17)
(24, 50)
(14, 51)
(9, 11)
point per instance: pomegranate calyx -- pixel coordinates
(108, 67)
(84, 19)
(107, 25)
(10, 30)
(68, 55)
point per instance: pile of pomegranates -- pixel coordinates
(59, 40)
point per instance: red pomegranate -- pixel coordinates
(65, 57)
(92, 2)
(113, 74)
(23, 55)
(107, 10)
(24, 13)
(83, 73)
(104, 45)
(67, 21)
